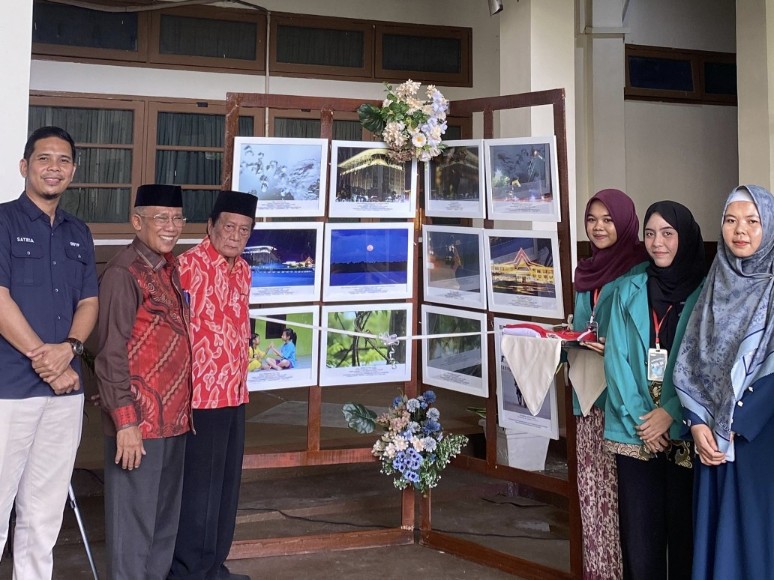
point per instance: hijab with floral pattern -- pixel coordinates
(730, 334)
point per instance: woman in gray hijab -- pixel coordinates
(724, 376)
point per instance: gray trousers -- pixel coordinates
(142, 510)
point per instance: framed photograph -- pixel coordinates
(286, 175)
(512, 412)
(458, 363)
(454, 266)
(372, 261)
(454, 181)
(524, 277)
(282, 353)
(365, 182)
(522, 179)
(358, 360)
(285, 260)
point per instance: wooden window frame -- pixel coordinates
(321, 71)
(465, 36)
(91, 54)
(151, 147)
(209, 13)
(697, 58)
(312, 114)
(138, 143)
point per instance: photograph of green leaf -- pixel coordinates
(365, 359)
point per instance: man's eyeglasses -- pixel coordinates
(162, 219)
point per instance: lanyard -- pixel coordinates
(594, 302)
(657, 323)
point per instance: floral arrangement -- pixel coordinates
(412, 128)
(413, 447)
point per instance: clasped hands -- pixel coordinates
(52, 363)
(654, 430)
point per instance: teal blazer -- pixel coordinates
(582, 315)
(626, 357)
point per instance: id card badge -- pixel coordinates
(657, 361)
(593, 326)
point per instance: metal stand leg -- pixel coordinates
(77, 512)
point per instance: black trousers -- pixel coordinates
(213, 472)
(655, 508)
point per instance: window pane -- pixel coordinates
(319, 46)
(419, 53)
(97, 205)
(104, 166)
(348, 130)
(73, 26)
(206, 37)
(452, 132)
(720, 78)
(197, 204)
(97, 126)
(188, 167)
(196, 129)
(310, 128)
(660, 73)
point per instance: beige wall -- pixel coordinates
(677, 151)
(15, 41)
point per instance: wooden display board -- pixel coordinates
(314, 455)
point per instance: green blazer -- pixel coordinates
(626, 357)
(582, 315)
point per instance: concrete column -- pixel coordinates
(537, 52)
(603, 121)
(15, 46)
(755, 87)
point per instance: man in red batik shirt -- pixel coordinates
(144, 373)
(218, 280)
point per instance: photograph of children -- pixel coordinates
(458, 363)
(287, 175)
(368, 261)
(454, 181)
(366, 182)
(522, 179)
(523, 276)
(453, 260)
(285, 260)
(365, 357)
(512, 411)
(282, 354)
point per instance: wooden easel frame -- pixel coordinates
(313, 455)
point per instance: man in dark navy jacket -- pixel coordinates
(48, 300)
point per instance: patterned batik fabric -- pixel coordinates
(220, 325)
(598, 495)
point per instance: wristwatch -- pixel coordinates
(76, 344)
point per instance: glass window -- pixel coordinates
(660, 73)
(421, 53)
(183, 35)
(320, 46)
(74, 26)
(720, 78)
(101, 189)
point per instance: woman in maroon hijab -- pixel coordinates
(612, 227)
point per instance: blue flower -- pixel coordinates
(433, 414)
(411, 476)
(429, 444)
(431, 426)
(399, 461)
(429, 396)
(412, 405)
(413, 459)
(397, 401)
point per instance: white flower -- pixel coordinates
(419, 140)
(417, 443)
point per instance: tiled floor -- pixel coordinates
(330, 499)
